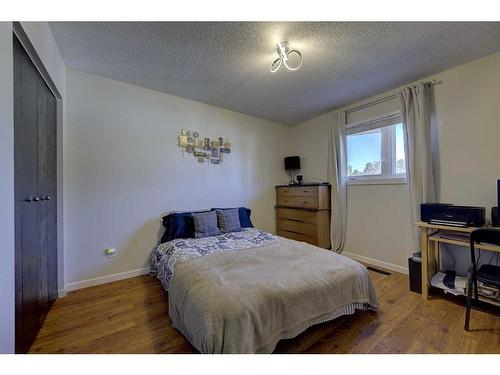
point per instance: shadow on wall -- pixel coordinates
(143, 242)
(136, 251)
(264, 215)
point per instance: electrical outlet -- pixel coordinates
(110, 252)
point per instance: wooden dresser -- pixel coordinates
(303, 213)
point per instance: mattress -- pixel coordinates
(243, 292)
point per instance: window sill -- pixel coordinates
(377, 181)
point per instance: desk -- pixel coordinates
(431, 236)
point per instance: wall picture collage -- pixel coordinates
(204, 150)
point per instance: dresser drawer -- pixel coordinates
(298, 237)
(310, 217)
(303, 213)
(298, 227)
(301, 202)
(305, 191)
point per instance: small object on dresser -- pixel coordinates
(292, 164)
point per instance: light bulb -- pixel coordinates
(283, 54)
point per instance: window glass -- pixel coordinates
(399, 162)
(364, 153)
(379, 152)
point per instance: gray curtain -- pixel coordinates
(337, 178)
(414, 103)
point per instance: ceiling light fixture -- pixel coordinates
(284, 53)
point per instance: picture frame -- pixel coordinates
(204, 149)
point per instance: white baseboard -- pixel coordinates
(143, 271)
(105, 279)
(376, 263)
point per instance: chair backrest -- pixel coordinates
(486, 235)
(483, 235)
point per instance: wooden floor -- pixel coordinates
(131, 316)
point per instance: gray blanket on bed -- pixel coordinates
(246, 301)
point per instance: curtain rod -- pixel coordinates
(434, 82)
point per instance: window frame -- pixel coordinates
(388, 150)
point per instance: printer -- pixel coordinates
(451, 215)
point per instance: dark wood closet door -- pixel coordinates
(47, 190)
(35, 171)
(26, 187)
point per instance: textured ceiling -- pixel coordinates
(227, 63)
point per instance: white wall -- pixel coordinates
(467, 120)
(7, 295)
(123, 170)
(378, 221)
(468, 133)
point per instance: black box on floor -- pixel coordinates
(415, 274)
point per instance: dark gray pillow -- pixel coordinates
(205, 224)
(229, 220)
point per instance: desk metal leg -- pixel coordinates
(425, 262)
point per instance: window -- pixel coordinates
(376, 151)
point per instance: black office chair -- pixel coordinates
(488, 274)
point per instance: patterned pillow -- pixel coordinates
(229, 220)
(205, 224)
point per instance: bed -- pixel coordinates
(244, 291)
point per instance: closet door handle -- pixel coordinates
(46, 198)
(29, 199)
(36, 199)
